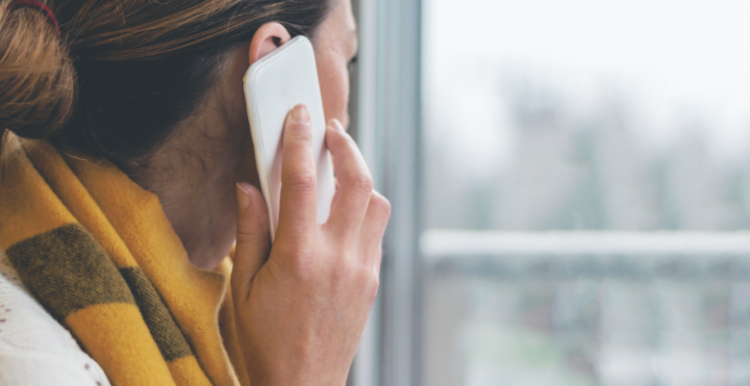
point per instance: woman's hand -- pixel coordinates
(301, 309)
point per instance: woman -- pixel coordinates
(126, 176)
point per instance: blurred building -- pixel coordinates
(527, 137)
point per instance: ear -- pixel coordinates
(267, 38)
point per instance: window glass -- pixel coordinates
(586, 115)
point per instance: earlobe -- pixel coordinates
(267, 38)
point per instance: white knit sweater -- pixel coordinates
(35, 349)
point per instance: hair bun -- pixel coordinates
(37, 75)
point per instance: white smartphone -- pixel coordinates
(273, 86)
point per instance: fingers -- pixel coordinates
(354, 183)
(298, 180)
(373, 229)
(253, 242)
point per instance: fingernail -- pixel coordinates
(300, 113)
(243, 195)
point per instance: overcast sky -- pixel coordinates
(672, 58)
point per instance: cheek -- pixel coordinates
(334, 87)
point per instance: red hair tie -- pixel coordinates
(38, 5)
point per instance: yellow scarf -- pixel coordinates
(98, 253)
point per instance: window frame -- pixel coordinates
(386, 122)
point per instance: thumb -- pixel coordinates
(253, 243)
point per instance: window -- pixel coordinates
(571, 190)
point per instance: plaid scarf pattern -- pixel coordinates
(100, 256)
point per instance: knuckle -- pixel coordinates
(299, 131)
(343, 273)
(372, 278)
(246, 233)
(362, 183)
(244, 236)
(301, 181)
(372, 286)
(303, 257)
(302, 265)
(381, 205)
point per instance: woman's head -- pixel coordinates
(155, 87)
(125, 71)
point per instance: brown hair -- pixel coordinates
(124, 72)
